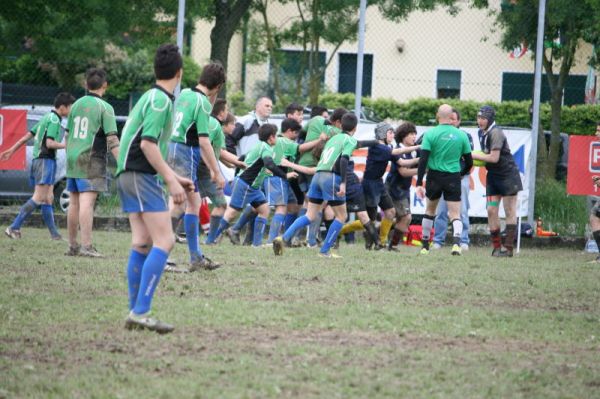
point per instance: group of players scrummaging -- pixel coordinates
(178, 144)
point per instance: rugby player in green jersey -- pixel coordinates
(92, 132)
(247, 184)
(189, 142)
(141, 171)
(278, 191)
(43, 166)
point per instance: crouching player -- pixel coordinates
(140, 166)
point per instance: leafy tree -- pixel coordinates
(567, 24)
(68, 36)
(228, 15)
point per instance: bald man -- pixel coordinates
(441, 151)
(245, 133)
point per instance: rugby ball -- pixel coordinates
(477, 162)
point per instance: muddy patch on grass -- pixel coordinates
(83, 347)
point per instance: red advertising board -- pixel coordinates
(13, 125)
(584, 163)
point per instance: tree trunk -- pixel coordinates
(228, 16)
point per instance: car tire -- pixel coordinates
(61, 196)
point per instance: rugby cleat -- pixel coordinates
(90, 252)
(329, 255)
(502, 253)
(234, 236)
(141, 322)
(203, 264)
(456, 250)
(73, 251)
(12, 233)
(278, 245)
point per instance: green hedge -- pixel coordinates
(580, 119)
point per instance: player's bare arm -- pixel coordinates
(298, 168)
(405, 150)
(54, 145)
(312, 144)
(226, 156)
(112, 143)
(5, 155)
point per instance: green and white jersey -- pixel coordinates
(151, 119)
(217, 140)
(47, 128)
(336, 147)
(256, 172)
(446, 145)
(216, 136)
(314, 128)
(284, 148)
(91, 120)
(192, 113)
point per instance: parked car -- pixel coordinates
(15, 185)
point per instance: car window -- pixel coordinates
(30, 124)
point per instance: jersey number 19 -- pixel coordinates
(81, 127)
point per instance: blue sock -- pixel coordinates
(299, 223)
(303, 230)
(244, 219)
(134, 275)
(24, 213)
(190, 224)
(332, 234)
(48, 216)
(314, 228)
(223, 225)
(289, 219)
(215, 222)
(151, 271)
(259, 230)
(276, 222)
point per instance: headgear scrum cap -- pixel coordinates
(487, 112)
(381, 130)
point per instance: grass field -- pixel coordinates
(368, 325)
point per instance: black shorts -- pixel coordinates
(443, 183)
(304, 181)
(504, 186)
(376, 194)
(356, 203)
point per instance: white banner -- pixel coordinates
(519, 142)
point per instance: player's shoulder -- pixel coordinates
(105, 106)
(213, 123)
(158, 100)
(52, 117)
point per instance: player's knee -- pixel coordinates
(141, 247)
